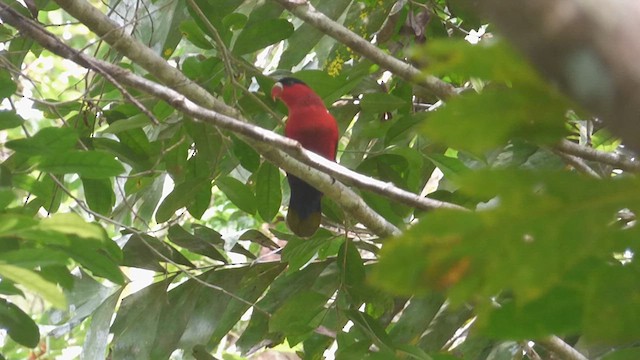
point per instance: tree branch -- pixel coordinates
(561, 348)
(305, 11)
(140, 54)
(615, 160)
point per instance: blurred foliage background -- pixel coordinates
(125, 239)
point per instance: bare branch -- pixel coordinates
(577, 163)
(561, 348)
(615, 160)
(305, 11)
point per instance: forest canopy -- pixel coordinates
(482, 206)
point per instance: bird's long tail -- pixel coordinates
(305, 208)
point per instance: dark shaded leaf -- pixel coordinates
(19, 326)
(147, 252)
(238, 193)
(197, 244)
(182, 195)
(262, 34)
(296, 316)
(134, 330)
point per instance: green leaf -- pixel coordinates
(7, 196)
(262, 34)
(182, 195)
(281, 289)
(99, 195)
(197, 244)
(296, 315)
(545, 236)
(623, 354)
(451, 167)
(9, 119)
(493, 60)
(372, 327)
(95, 260)
(73, 224)
(238, 193)
(268, 191)
(34, 282)
(134, 331)
(7, 86)
(144, 251)
(19, 326)
(352, 270)
(89, 164)
(134, 122)
(97, 338)
(192, 32)
(50, 141)
(494, 117)
(34, 257)
(306, 36)
(249, 158)
(381, 102)
(299, 252)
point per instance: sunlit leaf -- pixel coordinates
(34, 282)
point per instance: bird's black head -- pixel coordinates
(288, 81)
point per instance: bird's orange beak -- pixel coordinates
(276, 91)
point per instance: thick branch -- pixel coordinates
(305, 11)
(561, 348)
(590, 51)
(615, 160)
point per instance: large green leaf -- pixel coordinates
(182, 195)
(89, 164)
(262, 34)
(268, 191)
(18, 325)
(134, 330)
(34, 282)
(238, 193)
(198, 244)
(50, 141)
(99, 195)
(296, 316)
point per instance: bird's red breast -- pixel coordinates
(309, 121)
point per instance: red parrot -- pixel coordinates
(311, 124)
